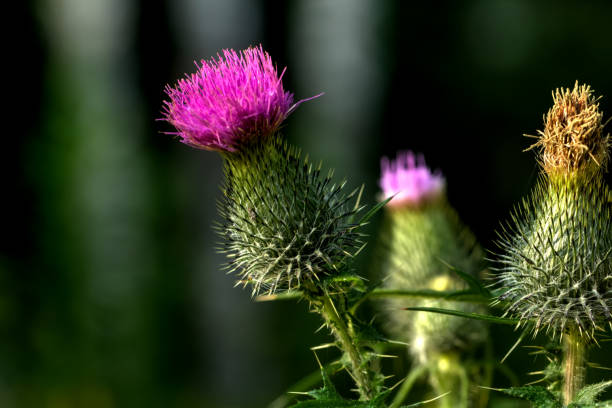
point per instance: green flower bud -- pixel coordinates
(422, 237)
(285, 225)
(421, 244)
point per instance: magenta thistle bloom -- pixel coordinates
(409, 180)
(228, 101)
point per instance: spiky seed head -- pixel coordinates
(285, 225)
(409, 181)
(573, 140)
(229, 101)
(556, 269)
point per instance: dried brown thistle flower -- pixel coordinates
(573, 139)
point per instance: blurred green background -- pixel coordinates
(111, 293)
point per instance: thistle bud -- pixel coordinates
(423, 235)
(556, 269)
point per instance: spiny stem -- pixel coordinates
(574, 366)
(342, 333)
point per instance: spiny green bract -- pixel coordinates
(285, 225)
(557, 266)
(418, 246)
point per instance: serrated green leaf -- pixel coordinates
(328, 397)
(312, 379)
(327, 392)
(469, 315)
(589, 393)
(540, 397)
(604, 404)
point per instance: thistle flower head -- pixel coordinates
(228, 101)
(410, 180)
(573, 139)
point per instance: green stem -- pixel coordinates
(574, 366)
(407, 385)
(448, 374)
(340, 329)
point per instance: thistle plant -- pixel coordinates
(556, 267)
(423, 240)
(286, 226)
(288, 230)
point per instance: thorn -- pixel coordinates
(318, 361)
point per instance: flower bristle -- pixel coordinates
(573, 139)
(556, 270)
(409, 181)
(237, 97)
(286, 225)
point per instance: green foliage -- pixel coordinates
(588, 394)
(604, 404)
(552, 374)
(557, 265)
(285, 225)
(476, 286)
(469, 315)
(540, 397)
(328, 397)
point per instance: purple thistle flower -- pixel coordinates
(228, 101)
(409, 180)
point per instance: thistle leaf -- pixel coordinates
(589, 393)
(475, 316)
(328, 397)
(540, 397)
(604, 404)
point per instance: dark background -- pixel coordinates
(111, 293)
